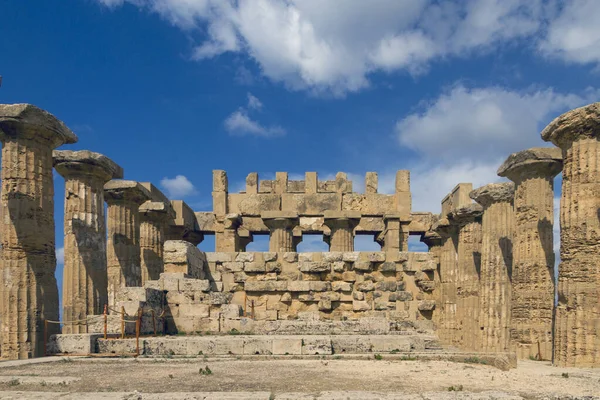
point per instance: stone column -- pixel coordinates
(468, 221)
(434, 243)
(533, 173)
(577, 320)
(496, 264)
(448, 278)
(154, 219)
(30, 292)
(342, 226)
(84, 275)
(123, 249)
(281, 226)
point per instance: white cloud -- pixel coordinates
(320, 46)
(484, 123)
(60, 256)
(240, 123)
(178, 187)
(574, 32)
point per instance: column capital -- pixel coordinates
(157, 211)
(70, 163)
(493, 193)
(280, 219)
(118, 191)
(466, 214)
(431, 238)
(342, 219)
(531, 163)
(30, 122)
(580, 123)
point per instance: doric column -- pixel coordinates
(228, 240)
(577, 320)
(281, 230)
(84, 275)
(123, 248)
(342, 226)
(29, 289)
(154, 218)
(533, 173)
(496, 264)
(434, 243)
(468, 221)
(448, 279)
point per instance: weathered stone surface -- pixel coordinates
(30, 292)
(577, 318)
(182, 256)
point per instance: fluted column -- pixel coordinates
(84, 275)
(496, 264)
(577, 320)
(281, 230)
(448, 279)
(468, 221)
(533, 173)
(342, 226)
(434, 243)
(154, 219)
(123, 247)
(30, 292)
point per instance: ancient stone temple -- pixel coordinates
(485, 288)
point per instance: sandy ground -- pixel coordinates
(531, 380)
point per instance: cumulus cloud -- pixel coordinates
(240, 122)
(178, 187)
(320, 46)
(60, 255)
(483, 123)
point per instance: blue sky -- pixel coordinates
(172, 89)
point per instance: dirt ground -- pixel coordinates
(163, 375)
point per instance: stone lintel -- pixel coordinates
(220, 182)
(466, 213)
(494, 193)
(342, 215)
(442, 225)
(534, 162)
(155, 192)
(67, 162)
(582, 122)
(118, 190)
(232, 221)
(278, 215)
(157, 210)
(185, 216)
(29, 121)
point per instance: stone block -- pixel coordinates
(358, 296)
(362, 266)
(429, 265)
(194, 310)
(333, 256)
(80, 344)
(426, 305)
(338, 266)
(314, 266)
(219, 257)
(386, 286)
(308, 315)
(306, 257)
(351, 256)
(366, 286)
(233, 266)
(290, 257)
(195, 285)
(261, 345)
(361, 305)
(229, 345)
(318, 286)
(341, 286)
(389, 343)
(349, 276)
(269, 256)
(287, 346)
(388, 266)
(378, 256)
(266, 286)
(255, 267)
(220, 298)
(426, 286)
(273, 266)
(298, 286)
(239, 277)
(313, 345)
(231, 311)
(244, 257)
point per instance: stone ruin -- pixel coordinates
(486, 285)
